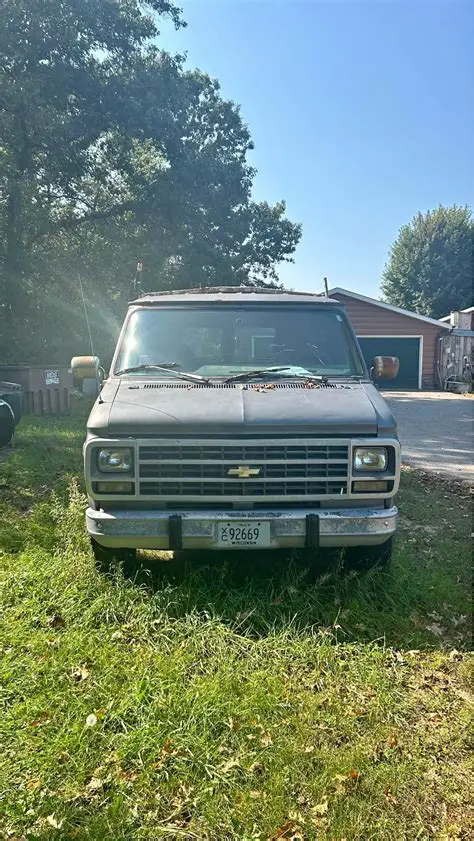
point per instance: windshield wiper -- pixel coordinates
(165, 366)
(270, 371)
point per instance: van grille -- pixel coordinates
(211, 470)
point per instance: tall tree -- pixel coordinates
(111, 151)
(430, 269)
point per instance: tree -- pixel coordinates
(430, 269)
(110, 152)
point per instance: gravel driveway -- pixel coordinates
(436, 431)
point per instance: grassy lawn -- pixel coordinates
(239, 701)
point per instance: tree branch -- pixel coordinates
(71, 223)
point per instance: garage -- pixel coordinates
(408, 349)
(386, 330)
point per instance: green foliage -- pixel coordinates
(237, 700)
(111, 152)
(431, 265)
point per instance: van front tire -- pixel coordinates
(363, 558)
(107, 558)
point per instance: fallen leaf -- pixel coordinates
(167, 751)
(389, 796)
(289, 831)
(33, 785)
(392, 741)
(464, 695)
(91, 720)
(256, 769)
(94, 784)
(354, 775)
(228, 766)
(167, 748)
(320, 808)
(43, 718)
(79, 674)
(255, 795)
(128, 776)
(341, 783)
(266, 740)
(56, 621)
(54, 822)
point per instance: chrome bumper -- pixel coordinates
(198, 529)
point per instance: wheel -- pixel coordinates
(107, 558)
(318, 562)
(363, 558)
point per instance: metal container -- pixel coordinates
(46, 388)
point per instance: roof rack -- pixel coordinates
(234, 290)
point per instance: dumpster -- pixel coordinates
(46, 388)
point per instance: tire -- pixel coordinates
(363, 558)
(318, 562)
(107, 558)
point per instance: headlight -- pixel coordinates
(370, 458)
(117, 460)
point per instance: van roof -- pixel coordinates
(231, 293)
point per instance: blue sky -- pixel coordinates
(361, 113)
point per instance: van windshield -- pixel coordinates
(221, 341)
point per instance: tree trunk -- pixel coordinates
(13, 264)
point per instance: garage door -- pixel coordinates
(408, 351)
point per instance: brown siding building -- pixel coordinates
(383, 329)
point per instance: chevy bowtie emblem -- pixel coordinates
(243, 472)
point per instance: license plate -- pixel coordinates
(243, 533)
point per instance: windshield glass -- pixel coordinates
(224, 340)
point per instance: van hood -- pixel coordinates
(148, 408)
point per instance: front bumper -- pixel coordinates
(144, 529)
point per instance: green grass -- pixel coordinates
(238, 701)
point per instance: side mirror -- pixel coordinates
(85, 367)
(385, 367)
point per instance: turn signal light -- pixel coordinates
(114, 487)
(367, 487)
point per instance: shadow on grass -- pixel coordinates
(261, 593)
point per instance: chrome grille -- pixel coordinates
(278, 469)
